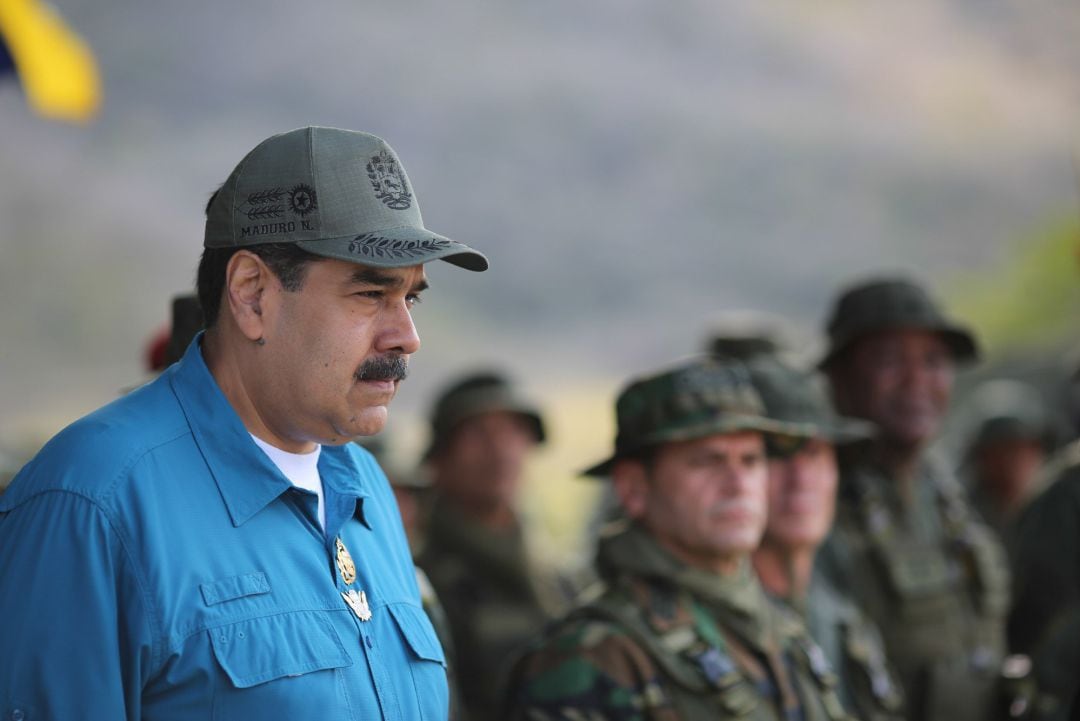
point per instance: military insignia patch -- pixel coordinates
(265, 204)
(358, 603)
(389, 182)
(378, 246)
(302, 200)
(345, 564)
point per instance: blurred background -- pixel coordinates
(631, 168)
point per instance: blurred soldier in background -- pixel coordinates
(1011, 437)
(1044, 622)
(907, 546)
(681, 629)
(474, 548)
(802, 503)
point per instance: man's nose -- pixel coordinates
(398, 333)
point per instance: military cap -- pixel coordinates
(474, 395)
(336, 193)
(892, 304)
(797, 398)
(702, 397)
(744, 334)
(1004, 410)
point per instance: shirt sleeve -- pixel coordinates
(72, 614)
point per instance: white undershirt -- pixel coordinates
(302, 470)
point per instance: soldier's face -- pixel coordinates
(321, 342)
(703, 500)
(482, 462)
(802, 496)
(900, 380)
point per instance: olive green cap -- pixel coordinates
(703, 397)
(477, 394)
(335, 193)
(892, 304)
(798, 398)
(1006, 410)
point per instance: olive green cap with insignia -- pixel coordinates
(477, 394)
(892, 304)
(699, 398)
(335, 193)
(798, 398)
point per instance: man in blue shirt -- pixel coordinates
(211, 545)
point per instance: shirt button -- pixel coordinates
(17, 715)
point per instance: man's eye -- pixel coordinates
(412, 299)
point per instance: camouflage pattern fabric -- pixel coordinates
(1045, 619)
(664, 642)
(867, 685)
(485, 583)
(932, 577)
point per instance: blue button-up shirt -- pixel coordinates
(156, 565)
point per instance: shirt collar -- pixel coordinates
(246, 478)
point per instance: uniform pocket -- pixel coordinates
(280, 666)
(428, 664)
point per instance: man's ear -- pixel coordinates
(631, 481)
(247, 279)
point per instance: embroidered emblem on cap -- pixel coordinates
(388, 180)
(378, 246)
(302, 200)
(265, 204)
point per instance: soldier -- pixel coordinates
(474, 551)
(907, 545)
(802, 502)
(1011, 437)
(1044, 622)
(681, 629)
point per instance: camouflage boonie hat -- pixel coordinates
(700, 398)
(892, 304)
(475, 395)
(798, 399)
(335, 193)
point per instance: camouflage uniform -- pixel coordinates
(1045, 620)
(670, 643)
(933, 577)
(853, 644)
(867, 685)
(663, 640)
(494, 596)
(485, 583)
(929, 572)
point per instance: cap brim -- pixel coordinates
(961, 343)
(397, 248)
(729, 423)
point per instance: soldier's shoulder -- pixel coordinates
(585, 663)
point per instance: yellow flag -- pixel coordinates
(57, 69)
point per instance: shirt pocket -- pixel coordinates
(427, 660)
(286, 665)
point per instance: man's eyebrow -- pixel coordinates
(372, 276)
(382, 279)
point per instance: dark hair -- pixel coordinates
(285, 260)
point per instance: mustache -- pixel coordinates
(383, 368)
